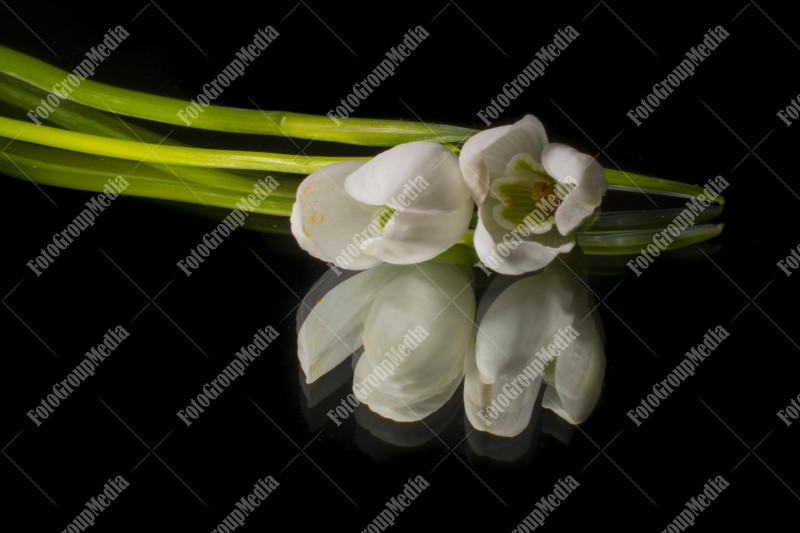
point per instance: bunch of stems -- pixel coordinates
(89, 138)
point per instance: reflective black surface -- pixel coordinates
(184, 330)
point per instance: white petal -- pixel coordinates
(578, 377)
(523, 319)
(422, 175)
(435, 302)
(523, 166)
(413, 408)
(485, 155)
(412, 237)
(473, 166)
(325, 219)
(566, 164)
(333, 329)
(403, 436)
(303, 239)
(478, 397)
(525, 254)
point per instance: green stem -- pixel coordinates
(82, 119)
(232, 159)
(77, 163)
(65, 169)
(370, 132)
(633, 241)
(73, 116)
(167, 155)
(628, 181)
(25, 162)
(646, 218)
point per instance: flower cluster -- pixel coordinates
(413, 322)
(416, 336)
(414, 201)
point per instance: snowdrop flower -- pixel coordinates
(531, 195)
(406, 205)
(534, 334)
(415, 325)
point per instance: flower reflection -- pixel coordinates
(538, 330)
(415, 324)
(411, 331)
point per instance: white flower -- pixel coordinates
(406, 205)
(534, 332)
(415, 324)
(531, 195)
(575, 387)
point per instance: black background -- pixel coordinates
(722, 121)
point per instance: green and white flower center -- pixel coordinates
(526, 196)
(382, 217)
